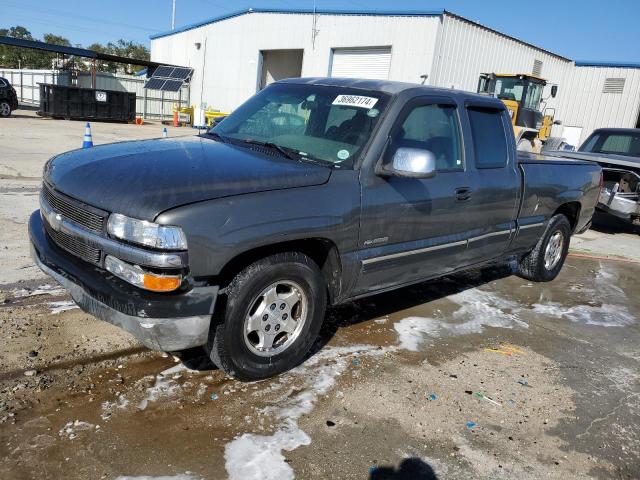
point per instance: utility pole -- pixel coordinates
(314, 26)
(173, 16)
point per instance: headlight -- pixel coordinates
(146, 233)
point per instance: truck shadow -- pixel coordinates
(609, 224)
(358, 311)
(409, 469)
(376, 306)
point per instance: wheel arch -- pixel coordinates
(571, 210)
(322, 251)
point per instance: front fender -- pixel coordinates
(219, 230)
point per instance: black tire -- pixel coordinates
(5, 109)
(532, 266)
(227, 346)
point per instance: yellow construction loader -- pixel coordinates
(522, 94)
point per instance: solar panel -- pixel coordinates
(172, 85)
(163, 71)
(155, 83)
(169, 79)
(180, 73)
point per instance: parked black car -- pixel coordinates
(8, 98)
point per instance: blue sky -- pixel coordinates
(578, 29)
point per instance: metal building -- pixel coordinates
(601, 94)
(237, 54)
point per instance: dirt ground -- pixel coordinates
(480, 375)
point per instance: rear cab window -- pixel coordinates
(615, 143)
(489, 137)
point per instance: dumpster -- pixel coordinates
(60, 101)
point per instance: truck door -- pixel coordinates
(494, 181)
(414, 228)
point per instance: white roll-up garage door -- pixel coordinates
(361, 62)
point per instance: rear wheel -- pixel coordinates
(5, 108)
(545, 261)
(273, 314)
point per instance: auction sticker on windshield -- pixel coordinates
(355, 101)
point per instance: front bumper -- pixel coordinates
(166, 322)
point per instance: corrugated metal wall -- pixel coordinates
(585, 105)
(155, 105)
(466, 49)
(453, 51)
(232, 59)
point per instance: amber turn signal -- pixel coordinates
(161, 283)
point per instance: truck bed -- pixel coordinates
(533, 158)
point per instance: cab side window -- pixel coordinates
(436, 128)
(489, 137)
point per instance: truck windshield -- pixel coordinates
(325, 123)
(617, 143)
(508, 88)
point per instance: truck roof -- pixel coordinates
(616, 130)
(387, 86)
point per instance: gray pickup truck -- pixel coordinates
(312, 193)
(617, 151)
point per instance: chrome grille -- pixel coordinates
(74, 246)
(74, 211)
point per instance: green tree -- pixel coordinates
(103, 66)
(131, 50)
(15, 57)
(46, 59)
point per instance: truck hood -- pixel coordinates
(141, 179)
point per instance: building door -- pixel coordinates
(279, 64)
(368, 62)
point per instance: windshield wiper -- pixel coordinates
(216, 135)
(286, 152)
(316, 161)
(290, 153)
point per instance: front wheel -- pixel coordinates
(545, 261)
(5, 109)
(273, 314)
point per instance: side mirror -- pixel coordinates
(554, 90)
(413, 163)
(557, 122)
